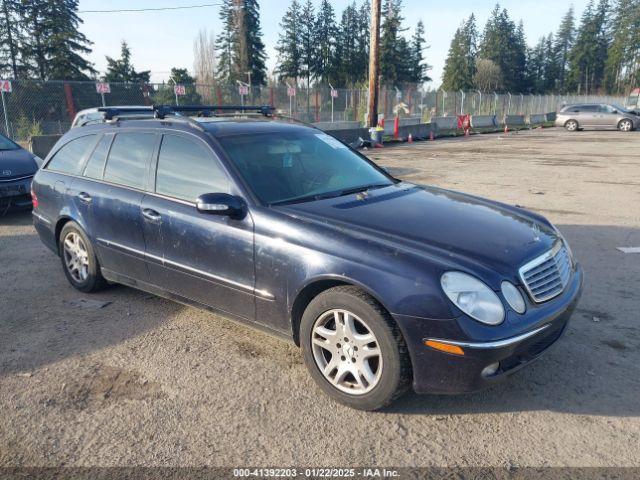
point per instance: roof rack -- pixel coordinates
(113, 112)
(161, 111)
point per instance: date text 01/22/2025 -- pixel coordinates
(315, 472)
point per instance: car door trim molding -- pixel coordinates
(255, 291)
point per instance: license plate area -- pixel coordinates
(12, 190)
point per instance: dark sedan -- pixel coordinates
(383, 283)
(17, 168)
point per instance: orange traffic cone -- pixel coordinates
(410, 139)
(506, 129)
(431, 135)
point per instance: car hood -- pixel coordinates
(16, 163)
(458, 228)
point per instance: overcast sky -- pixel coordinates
(161, 40)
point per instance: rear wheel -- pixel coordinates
(79, 261)
(625, 125)
(571, 125)
(353, 349)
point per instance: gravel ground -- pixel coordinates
(124, 378)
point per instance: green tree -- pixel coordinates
(11, 39)
(419, 68)
(325, 35)
(307, 41)
(53, 43)
(395, 54)
(122, 70)
(589, 53)
(563, 45)
(288, 47)
(460, 65)
(240, 43)
(504, 44)
(623, 56)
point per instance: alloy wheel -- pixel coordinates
(571, 125)
(625, 126)
(346, 352)
(76, 257)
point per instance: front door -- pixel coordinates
(203, 257)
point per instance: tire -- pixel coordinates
(79, 260)
(571, 125)
(625, 125)
(382, 377)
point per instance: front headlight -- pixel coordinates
(473, 297)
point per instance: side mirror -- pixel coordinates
(614, 111)
(221, 204)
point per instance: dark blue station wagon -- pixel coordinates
(383, 284)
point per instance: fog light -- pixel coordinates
(490, 369)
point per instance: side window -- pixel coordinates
(589, 108)
(127, 163)
(187, 169)
(95, 164)
(69, 158)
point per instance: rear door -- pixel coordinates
(116, 200)
(589, 115)
(206, 258)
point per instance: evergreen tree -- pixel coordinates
(623, 55)
(11, 38)
(325, 35)
(240, 43)
(460, 65)
(563, 45)
(347, 47)
(536, 66)
(504, 44)
(395, 55)
(419, 68)
(288, 47)
(53, 43)
(362, 22)
(254, 45)
(588, 56)
(122, 70)
(307, 41)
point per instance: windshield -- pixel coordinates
(620, 109)
(6, 144)
(300, 166)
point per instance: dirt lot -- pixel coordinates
(123, 378)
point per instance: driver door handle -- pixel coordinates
(151, 215)
(84, 197)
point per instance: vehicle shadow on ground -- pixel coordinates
(595, 368)
(44, 320)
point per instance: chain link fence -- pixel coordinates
(37, 108)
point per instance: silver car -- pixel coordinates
(596, 116)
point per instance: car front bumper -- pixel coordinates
(15, 193)
(437, 372)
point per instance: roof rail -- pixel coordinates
(162, 111)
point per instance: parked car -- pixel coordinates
(383, 283)
(596, 116)
(89, 116)
(17, 168)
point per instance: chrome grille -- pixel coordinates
(546, 276)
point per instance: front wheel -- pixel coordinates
(354, 350)
(625, 125)
(79, 260)
(571, 125)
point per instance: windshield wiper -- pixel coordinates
(333, 194)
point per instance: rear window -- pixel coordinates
(589, 108)
(127, 163)
(70, 157)
(95, 164)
